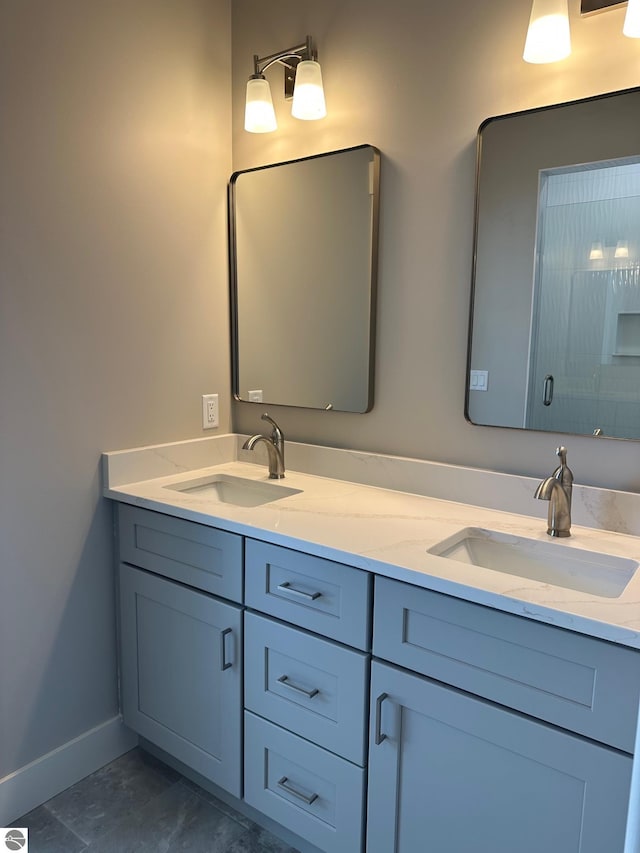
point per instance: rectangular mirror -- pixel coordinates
(303, 265)
(554, 341)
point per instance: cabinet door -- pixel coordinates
(181, 668)
(451, 773)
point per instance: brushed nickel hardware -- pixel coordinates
(291, 590)
(309, 799)
(379, 737)
(224, 664)
(557, 489)
(284, 680)
(274, 445)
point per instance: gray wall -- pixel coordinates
(114, 153)
(416, 80)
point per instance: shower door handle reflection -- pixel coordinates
(547, 393)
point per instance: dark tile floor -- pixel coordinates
(137, 803)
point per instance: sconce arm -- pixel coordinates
(298, 52)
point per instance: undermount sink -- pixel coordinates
(547, 562)
(238, 491)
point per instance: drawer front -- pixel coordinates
(320, 595)
(305, 788)
(310, 686)
(582, 684)
(194, 554)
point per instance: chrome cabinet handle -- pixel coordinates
(379, 737)
(282, 783)
(224, 664)
(547, 393)
(291, 590)
(284, 680)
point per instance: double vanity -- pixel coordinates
(378, 670)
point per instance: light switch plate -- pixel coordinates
(478, 380)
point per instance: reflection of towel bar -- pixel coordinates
(547, 393)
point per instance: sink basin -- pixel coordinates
(547, 562)
(238, 491)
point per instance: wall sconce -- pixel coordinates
(548, 37)
(302, 82)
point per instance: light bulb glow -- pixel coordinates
(259, 115)
(631, 27)
(622, 249)
(308, 94)
(597, 252)
(548, 37)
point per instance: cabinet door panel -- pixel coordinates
(452, 773)
(194, 554)
(182, 673)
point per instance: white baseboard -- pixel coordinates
(45, 777)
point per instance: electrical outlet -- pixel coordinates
(210, 415)
(255, 396)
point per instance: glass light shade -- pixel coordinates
(308, 94)
(548, 37)
(259, 115)
(631, 26)
(622, 249)
(597, 252)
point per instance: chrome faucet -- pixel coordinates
(557, 490)
(274, 445)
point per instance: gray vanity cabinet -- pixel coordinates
(482, 732)
(452, 773)
(181, 648)
(306, 695)
(476, 734)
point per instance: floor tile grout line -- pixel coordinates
(55, 817)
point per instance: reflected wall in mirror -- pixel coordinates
(303, 261)
(554, 341)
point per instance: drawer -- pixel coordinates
(194, 554)
(585, 685)
(312, 792)
(310, 686)
(320, 595)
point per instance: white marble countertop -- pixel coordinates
(390, 532)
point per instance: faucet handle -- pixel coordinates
(563, 473)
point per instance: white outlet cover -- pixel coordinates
(210, 411)
(255, 396)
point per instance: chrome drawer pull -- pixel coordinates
(290, 790)
(284, 680)
(291, 590)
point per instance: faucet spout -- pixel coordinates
(275, 448)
